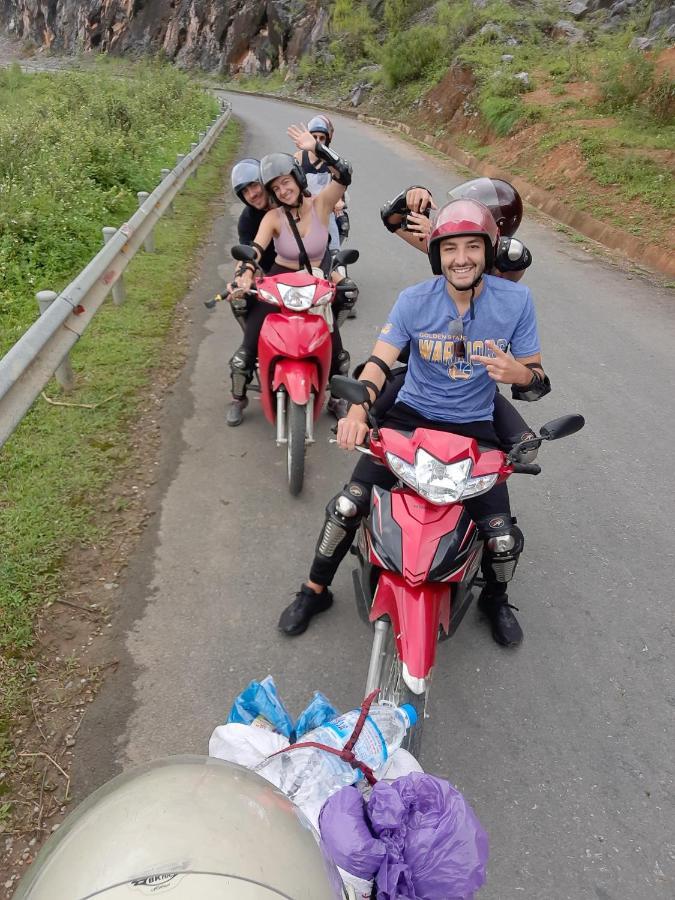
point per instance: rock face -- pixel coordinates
(224, 35)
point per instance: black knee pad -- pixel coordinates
(343, 517)
(503, 544)
(343, 362)
(242, 366)
(509, 441)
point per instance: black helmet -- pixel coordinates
(500, 197)
(245, 172)
(274, 165)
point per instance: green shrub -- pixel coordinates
(409, 54)
(624, 79)
(660, 101)
(501, 113)
(355, 29)
(397, 13)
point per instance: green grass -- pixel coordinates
(75, 148)
(266, 84)
(55, 468)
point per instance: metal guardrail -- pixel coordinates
(34, 359)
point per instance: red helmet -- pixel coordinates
(461, 218)
(500, 197)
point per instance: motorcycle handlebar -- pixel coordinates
(526, 468)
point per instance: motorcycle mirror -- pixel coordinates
(345, 257)
(349, 389)
(562, 427)
(243, 253)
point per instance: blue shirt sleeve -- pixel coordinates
(395, 331)
(525, 338)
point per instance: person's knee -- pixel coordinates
(242, 367)
(503, 544)
(342, 362)
(526, 454)
(344, 513)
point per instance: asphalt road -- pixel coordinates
(564, 746)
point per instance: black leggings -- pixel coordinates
(258, 311)
(368, 472)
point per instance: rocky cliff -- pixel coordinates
(249, 36)
(219, 35)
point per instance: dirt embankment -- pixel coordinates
(563, 168)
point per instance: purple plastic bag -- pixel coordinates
(346, 837)
(436, 847)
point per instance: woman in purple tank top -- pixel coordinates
(286, 183)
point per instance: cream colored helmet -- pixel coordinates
(186, 827)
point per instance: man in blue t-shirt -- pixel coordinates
(461, 326)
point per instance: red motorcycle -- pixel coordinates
(419, 551)
(294, 354)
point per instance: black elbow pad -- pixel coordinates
(341, 166)
(539, 387)
(394, 207)
(344, 172)
(512, 255)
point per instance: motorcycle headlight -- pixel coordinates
(268, 297)
(435, 481)
(440, 482)
(297, 298)
(404, 470)
(480, 485)
(324, 298)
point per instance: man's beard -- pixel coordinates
(478, 273)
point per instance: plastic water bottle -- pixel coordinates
(309, 776)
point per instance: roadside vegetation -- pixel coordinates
(74, 149)
(503, 81)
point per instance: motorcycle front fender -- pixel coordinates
(300, 378)
(415, 611)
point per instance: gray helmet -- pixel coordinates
(323, 125)
(245, 172)
(276, 164)
(189, 826)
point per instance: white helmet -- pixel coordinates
(190, 826)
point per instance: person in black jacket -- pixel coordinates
(248, 187)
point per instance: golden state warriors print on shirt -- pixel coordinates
(454, 352)
(441, 383)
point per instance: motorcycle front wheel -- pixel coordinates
(295, 446)
(393, 688)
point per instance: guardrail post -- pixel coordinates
(202, 135)
(179, 158)
(149, 242)
(64, 374)
(165, 174)
(118, 292)
(193, 147)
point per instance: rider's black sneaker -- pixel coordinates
(296, 617)
(235, 413)
(339, 408)
(498, 611)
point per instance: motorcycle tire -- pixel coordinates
(295, 447)
(393, 689)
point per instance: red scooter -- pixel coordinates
(419, 551)
(294, 354)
